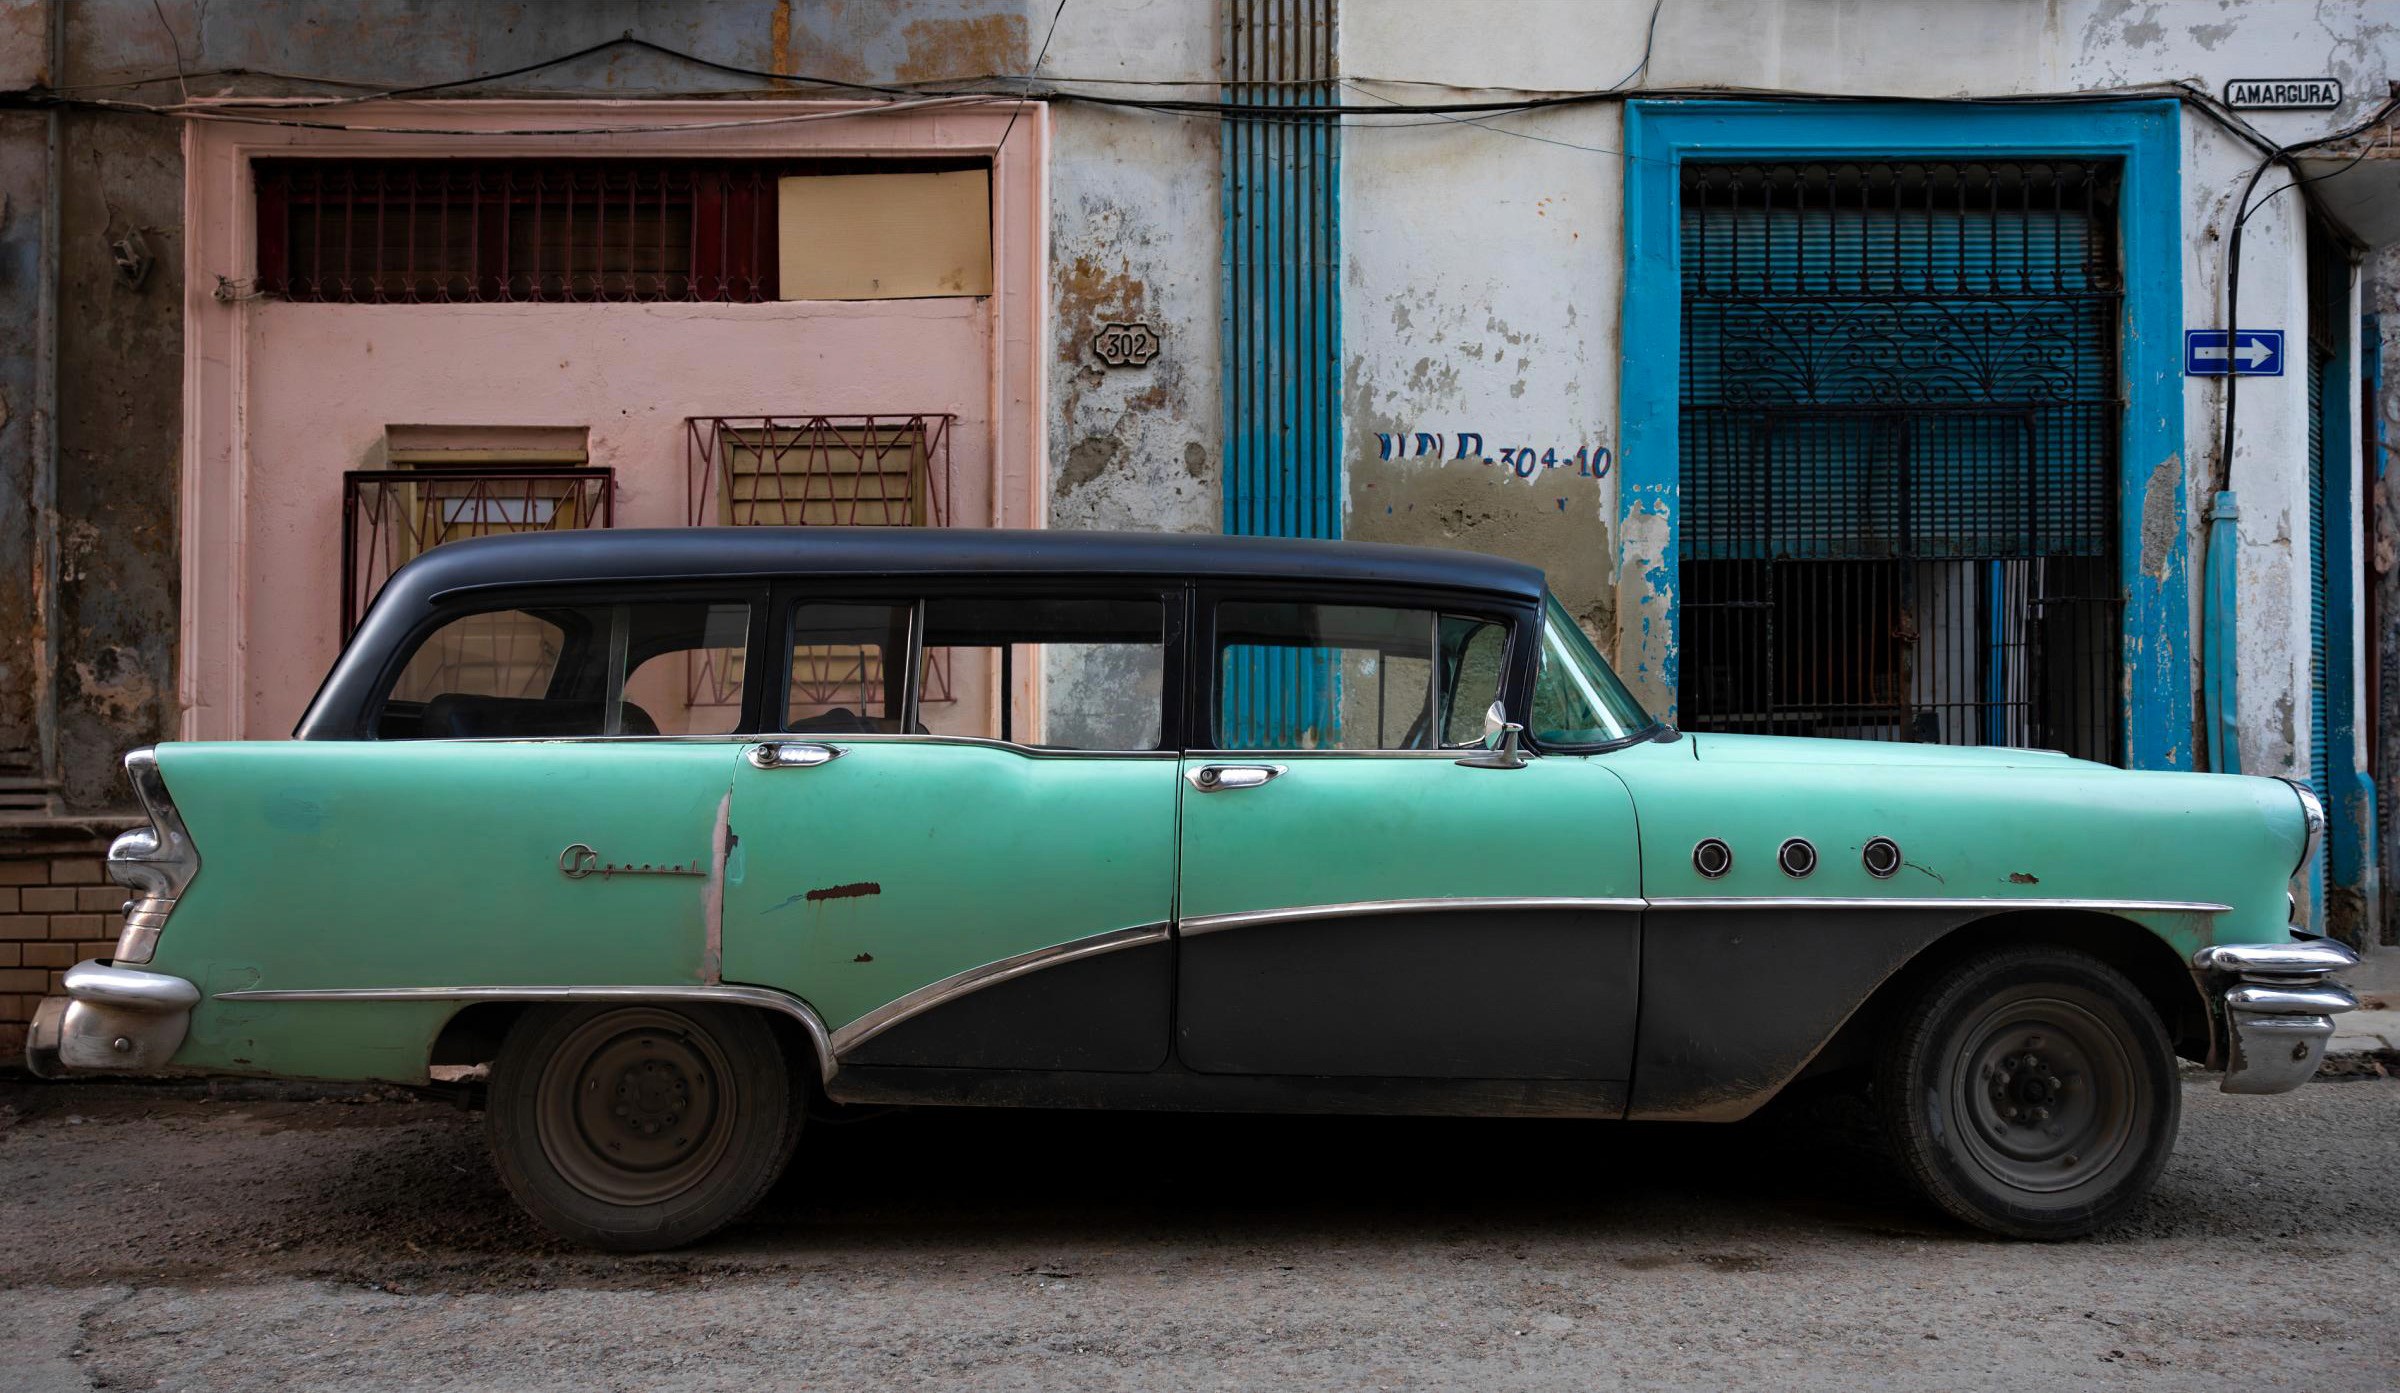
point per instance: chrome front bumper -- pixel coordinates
(2278, 1001)
(112, 1020)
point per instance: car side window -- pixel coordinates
(1296, 676)
(1060, 672)
(665, 667)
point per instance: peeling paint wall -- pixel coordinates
(2381, 662)
(1483, 266)
(1134, 235)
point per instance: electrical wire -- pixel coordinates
(1047, 36)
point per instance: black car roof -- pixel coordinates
(701, 552)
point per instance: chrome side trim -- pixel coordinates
(1194, 925)
(1895, 902)
(991, 974)
(980, 742)
(763, 997)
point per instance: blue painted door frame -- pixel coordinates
(2145, 135)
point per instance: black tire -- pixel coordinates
(642, 1126)
(2031, 1092)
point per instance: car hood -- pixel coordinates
(1793, 749)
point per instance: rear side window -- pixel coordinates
(653, 667)
(1069, 672)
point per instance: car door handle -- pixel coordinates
(794, 756)
(1216, 778)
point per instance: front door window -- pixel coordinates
(1353, 677)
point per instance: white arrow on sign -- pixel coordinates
(2252, 352)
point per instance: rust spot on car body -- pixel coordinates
(2023, 878)
(845, 892)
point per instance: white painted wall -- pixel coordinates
(1485, 271)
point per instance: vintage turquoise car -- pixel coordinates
(660, 842)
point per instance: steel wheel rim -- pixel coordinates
(2045, 1094)
(635, 1106)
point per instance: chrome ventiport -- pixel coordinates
(1712, 858)
(1881, 856)
(1796, 857)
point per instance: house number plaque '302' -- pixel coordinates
(1126, 345)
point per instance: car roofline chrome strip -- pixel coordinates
(990, 974)
(765, 997)
(1193, 925)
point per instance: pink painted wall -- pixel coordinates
(280, 398)
(326, 379)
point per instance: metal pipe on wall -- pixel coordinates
(43, 505)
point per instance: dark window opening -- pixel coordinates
(408, 231)
(1899, 426)
(563, 671)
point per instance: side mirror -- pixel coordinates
(1501, 742)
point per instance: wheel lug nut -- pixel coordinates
(2041, 1114)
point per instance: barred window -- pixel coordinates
(414, 231)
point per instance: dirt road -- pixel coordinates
(158, 1239)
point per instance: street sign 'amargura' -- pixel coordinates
(2283, 93)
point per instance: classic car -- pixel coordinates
(660, 843)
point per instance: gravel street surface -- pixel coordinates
(155, 1238)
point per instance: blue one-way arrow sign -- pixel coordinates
(2251, 352)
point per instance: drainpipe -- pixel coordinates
(44, 503)
(2219, 621)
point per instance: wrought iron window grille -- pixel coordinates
(822, 471)
(1899, 479)
(392, 516)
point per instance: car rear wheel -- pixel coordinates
(2031, 1092)
(640, 1127)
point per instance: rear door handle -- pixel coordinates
(1216, 778)
(776, 755)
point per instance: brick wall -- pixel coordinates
(55, 911)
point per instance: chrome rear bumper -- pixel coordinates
(2278, 1001)
(112, 1020)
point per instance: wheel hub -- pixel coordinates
(2044, 1088)
(631, 1110)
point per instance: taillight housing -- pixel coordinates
(156, 862)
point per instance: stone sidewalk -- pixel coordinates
(2375, 1026)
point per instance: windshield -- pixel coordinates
(1577, 700)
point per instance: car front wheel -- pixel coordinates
(2030, 1091)
(640, 1127)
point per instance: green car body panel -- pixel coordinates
(856, 882)
(421, 864)
(437, 864)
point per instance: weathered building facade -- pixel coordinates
(1829, 353)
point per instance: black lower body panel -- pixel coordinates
(1502, 993)
(1736, 1002)
(1104, 1013)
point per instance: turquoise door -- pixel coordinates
(965, 859)
(1361, 903)
(901, 864)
